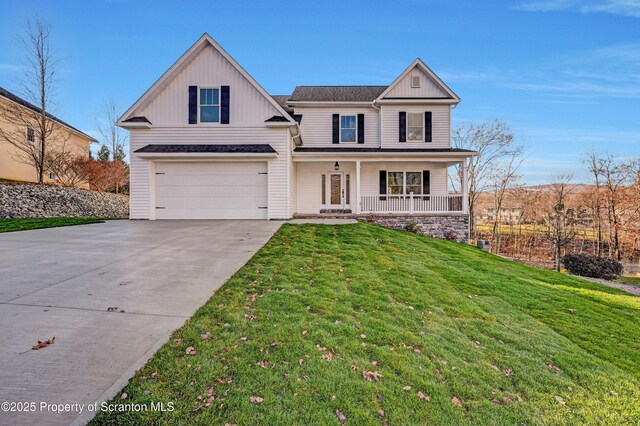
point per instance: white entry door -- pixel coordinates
(201, 190)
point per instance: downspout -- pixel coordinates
(373, 104)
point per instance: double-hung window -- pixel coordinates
(404, 183)
(415, 127)
(31, 134)
(348, 126)
(209, 105)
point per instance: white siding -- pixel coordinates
(207, 69)
(309, 184)
(317, 126)
(142, 175)
(428, 88)
(441, 126)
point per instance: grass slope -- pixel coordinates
(514, 344)
(11, 225)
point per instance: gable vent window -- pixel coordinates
(415, 81)
(347, 128)
(209, 105)
(31, 134)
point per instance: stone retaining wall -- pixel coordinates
(24, 201)
(448, 227)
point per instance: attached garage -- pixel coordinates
(211, 190)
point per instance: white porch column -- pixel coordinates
(465, 186)
(358, 207)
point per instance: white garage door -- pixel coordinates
(211, 190)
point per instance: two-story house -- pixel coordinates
(208, 142)
(15, 164)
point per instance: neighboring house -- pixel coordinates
(208, 142)
(11, 167)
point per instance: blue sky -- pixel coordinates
(565, 74)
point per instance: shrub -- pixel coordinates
(592, 266)
(450, 236)
(411, 227)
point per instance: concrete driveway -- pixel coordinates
(62, 281)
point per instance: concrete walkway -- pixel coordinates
(62, 281)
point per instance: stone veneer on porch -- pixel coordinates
(446, 226)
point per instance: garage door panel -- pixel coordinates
(211, 190)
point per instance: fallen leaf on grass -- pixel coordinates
(508, 372)
(381, 413)
(423, 396)
(571, 310)
(341, 417)
(250, 317)
(205, 336)
(614, 393)
(354, 367)
(553, 367)
(41, 344)
(328, 356)
(256, 399)
(560, 400)
(263, 364)
(304, 332)
(124, 395)
(190, 350)
(456, 401)
(507, 400)
(406, 388)
(370, 376)
(300, 362)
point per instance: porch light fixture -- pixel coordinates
(336, 166)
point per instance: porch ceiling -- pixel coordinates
(439, 155)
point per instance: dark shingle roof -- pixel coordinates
(355, 149)
(222, 149)
(336, 93)
(282, 101)
(277, 119)
(137, 120)
(17, 99)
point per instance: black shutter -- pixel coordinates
(193, 104)
(224, 104)
(426, 183)
(402, 125)
(336, 128)
(360, 128)
(427, 126)
(383, 184)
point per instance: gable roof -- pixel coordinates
(336, 93)
(177, 67)
(18, 100)
(435, 79)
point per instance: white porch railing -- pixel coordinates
(410, 204)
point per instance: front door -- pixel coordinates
(337, 191)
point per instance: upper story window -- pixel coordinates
(209, 105)
(415, 81)
(348, 125)
(415, 127)
(31, 134)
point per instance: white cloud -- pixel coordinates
(614, 7)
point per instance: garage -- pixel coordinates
(211, 190)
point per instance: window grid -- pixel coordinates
(403, 183)
(209, 105)
(348, 126)
(415, 127)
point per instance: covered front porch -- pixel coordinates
(344, 183)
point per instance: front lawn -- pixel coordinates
(11, 225)
(628, 280)
(365, 325)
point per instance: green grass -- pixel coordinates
(444, 318)
(628, 280)
(11, 225)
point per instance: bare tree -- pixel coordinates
(34, 131)
(70, 169)
(592, 162)
(494, 142)
(503, 178)
(559, 217)
(112, 136)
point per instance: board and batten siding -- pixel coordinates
(428, 88)
(143, 173)
(441, 126)
(208, 68)
(316, 126)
